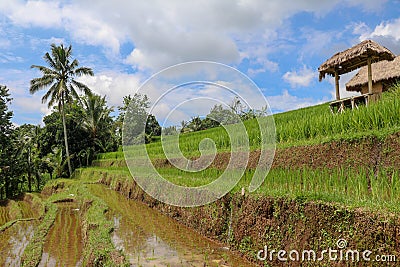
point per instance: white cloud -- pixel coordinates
(388, 29)
(31, 104)
(33, 13)
(302, 78)
(114, 85)
(386, 33)
(286, 101)
(169, 32)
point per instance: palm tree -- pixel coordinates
(59, 77)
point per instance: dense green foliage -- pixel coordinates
(10, 167)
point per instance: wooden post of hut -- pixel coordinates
(337, 78)
(369, 79)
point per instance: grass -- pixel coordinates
(99, 247)
(311, 125)
(349, 187)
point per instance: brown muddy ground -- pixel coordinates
(346, 154)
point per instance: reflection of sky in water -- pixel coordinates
(149, 238)
(154, 252)
(22, 233)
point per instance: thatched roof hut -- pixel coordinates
(365, 53)
(384, 72)
(354, 58)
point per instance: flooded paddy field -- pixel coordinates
(149, 238)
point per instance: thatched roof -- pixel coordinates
(354, 58)
(381, 71)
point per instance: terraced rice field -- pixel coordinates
(63, 245)
(4, 215)
(149, 238)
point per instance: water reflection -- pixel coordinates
(149, 238)
(14, 241)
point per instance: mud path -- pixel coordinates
(149, 238)
(63, 244)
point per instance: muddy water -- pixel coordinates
(63, 244)
(14, 241)
(149, 238)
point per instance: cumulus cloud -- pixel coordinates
(113, 85)
(301, 78)
(286, 101)
(31, 104)
(33, 13)
(386, 33)
(162, 33)
(169, 32)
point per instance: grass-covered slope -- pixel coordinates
(349, 158)
(311, 125)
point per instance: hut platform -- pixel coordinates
(353, 102)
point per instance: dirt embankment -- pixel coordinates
(247, 224)
(365, 153)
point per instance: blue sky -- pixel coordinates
(278, 44)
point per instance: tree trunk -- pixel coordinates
(29, 171)
(37, 175)
(29, 181)
(66, 140)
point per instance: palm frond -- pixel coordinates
(74, 93)
(52, 93)
(45, 70)
(83, 71)
(59, 75)
(82, 87)
(38, 84)
(49, 60)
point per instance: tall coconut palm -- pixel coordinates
(59, 78)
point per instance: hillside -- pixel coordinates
(333, 177)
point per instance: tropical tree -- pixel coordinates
(28, 138)
(153, 128)
(97, 121)
(136, 107)
(59, 77)
(6, 131)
